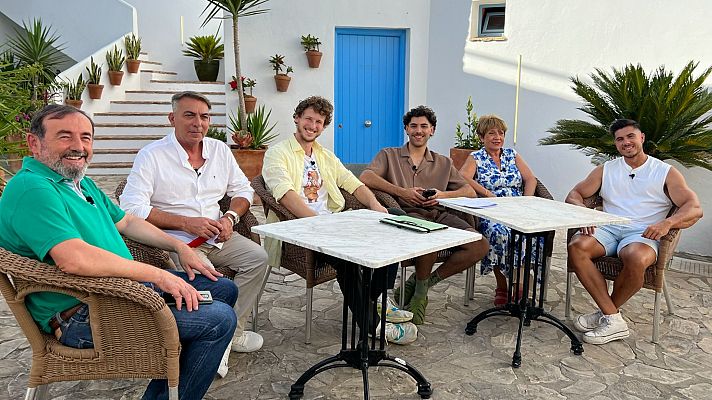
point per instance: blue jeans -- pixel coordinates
(204, 335)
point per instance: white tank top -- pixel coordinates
(636, 193)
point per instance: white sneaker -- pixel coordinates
(588, 322)
(393, 313)
(612, 327)
(403, 333)
(247, 343)
(222, 369)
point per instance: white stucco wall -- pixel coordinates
(280, 30)
(559, 39)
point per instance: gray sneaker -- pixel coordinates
(612, 327)
(588, 322)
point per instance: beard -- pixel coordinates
(74, 173)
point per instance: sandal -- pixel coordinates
(500, 297)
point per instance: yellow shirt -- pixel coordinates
(283, 170)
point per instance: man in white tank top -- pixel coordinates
(643, 189)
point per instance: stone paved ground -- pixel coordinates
(457, 365)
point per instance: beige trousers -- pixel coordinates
(249, 261)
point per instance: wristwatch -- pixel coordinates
(232, 215)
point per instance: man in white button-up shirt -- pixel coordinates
(176, 183)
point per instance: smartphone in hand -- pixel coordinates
(205, 297)
(428, 193)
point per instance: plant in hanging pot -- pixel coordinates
(115, 61)
(208, 52)
(311, 46)
(466, 140)
(247, 83)
(251, 143)
(281, 79)
(94, 79)
(73, 92)
(133, 51)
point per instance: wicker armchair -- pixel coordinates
(134, 332)
(303, 262)
(610, 267)
(160, 258)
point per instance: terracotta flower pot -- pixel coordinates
(133, 65)
(250, 161)
(95, 90)
(115, 77)
(282, 82)
(314, 58)
(250, 103)
(74, 103)
(459, 156)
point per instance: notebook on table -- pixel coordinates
(413, 224)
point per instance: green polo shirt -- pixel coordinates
(39, 210)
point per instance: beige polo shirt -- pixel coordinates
(435, 171)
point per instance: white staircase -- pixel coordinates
(142, 117)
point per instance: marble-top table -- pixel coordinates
(531, 221)
(358, 237)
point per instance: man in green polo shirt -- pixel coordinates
(50, 212)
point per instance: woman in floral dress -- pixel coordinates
(495, 171)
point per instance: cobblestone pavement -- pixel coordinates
(457, 365)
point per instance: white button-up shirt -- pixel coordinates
(162, 177)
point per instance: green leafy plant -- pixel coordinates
(115, 59)
(278, 65)
(310, 43)
(37, 45)
(467, 138)
(7, 61)
(258, 134)
(94, 72)
(74, 89)
(205, 48)
(133, 46)
(236, 9)
(216, 133)
(673, 112)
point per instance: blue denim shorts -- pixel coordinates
(615, 237)
(76, 331)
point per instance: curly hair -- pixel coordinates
(319, 105)
(420, 111)
(489, 121)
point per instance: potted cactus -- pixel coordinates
(115, 61)
(208, 52)
(94, 80)
(311, 47)
(133, 51)
(281, 79)
(73, 92)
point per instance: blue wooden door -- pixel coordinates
(369, 92)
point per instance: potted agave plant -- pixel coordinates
(133, 51)
(73, 92)
(251, 143)
(208, 52)
(281, 79)
(93, 80)
(311, 47)
(466, 140)
(250, 99)
(115, 61)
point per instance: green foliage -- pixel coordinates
(216, 133)
(37, 45)
(133, 46)
(278, 65)
(115, 59)
(673, 112)
(468, 139)
(258, 127)
(310, 43)
(94, 72)
(16, 108)
(239, 8)
(7, 61)
(74, 90)
(206, 48)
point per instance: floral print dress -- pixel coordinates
(503, 181)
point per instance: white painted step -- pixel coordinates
(144, 117)
(165, 95)
(114, 155)
(99, 170)
(124, 142)
(110, 129)
(165, 84)
(152, 106)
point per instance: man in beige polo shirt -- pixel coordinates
(407, 173)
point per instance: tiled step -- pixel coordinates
(153, 106)
(114, 155)
(157, 71)
(125, 141)
(129, 129)
(151, 62)
(197, 86)
(109, 168)
(164, 95)
(139, 117)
